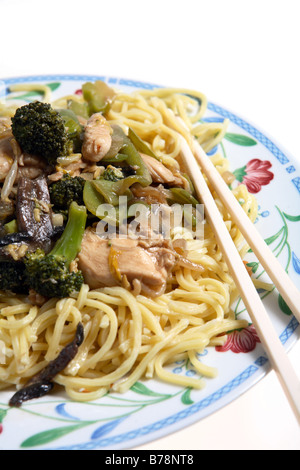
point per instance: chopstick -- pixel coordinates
(263, 325)
(276, 272)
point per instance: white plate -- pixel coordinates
(151, 409)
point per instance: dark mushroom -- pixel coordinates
(33, 210)
(14, 238)
(42, 383)
(35, 230)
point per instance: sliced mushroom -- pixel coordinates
(42, 383)
(34, 215)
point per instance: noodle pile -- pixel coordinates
(128, 337)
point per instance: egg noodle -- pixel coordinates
(131, 337)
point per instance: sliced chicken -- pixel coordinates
(97, 138)
(160, 173)
(5, 127)
(126, 262)
(29, 166)
(32, 167)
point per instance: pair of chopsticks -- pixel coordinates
(264, 327)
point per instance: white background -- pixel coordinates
(242, 55)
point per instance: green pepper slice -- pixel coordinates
(181, 196)
(98, 95)
(118, 140)
(118, 158)
(80, 109)
(111, 191)
(140, 145)
(73, 126)
(94, 198)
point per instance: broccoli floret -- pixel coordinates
(40, 130)
(12, 277)
(113, 174)
(50, 275)
(67, 190)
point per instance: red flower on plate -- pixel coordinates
(255, 175)
(240, 341)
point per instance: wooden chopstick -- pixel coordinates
(264, 327)
(276, 272)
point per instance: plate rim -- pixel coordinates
(260, 371)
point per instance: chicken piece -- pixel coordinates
(6, 158)
(150, 194)
(29, 166)
(97, 138)
(159, 172)
(107, 263)
(32, 167)
(5, 128)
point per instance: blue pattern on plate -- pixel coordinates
(296, 263)
(296, 182)
(291, 169)
(281, 157)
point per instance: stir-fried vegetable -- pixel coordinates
(108, 190)
(73, 128)
(50, 275)
(40, 130)
(12, 277)
(181, 196)
(140, 145)
(65, 191)
(98, 96)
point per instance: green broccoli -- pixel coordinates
(50, 275)
(112, 173)
(12, 277)
(41, 130)
(67, 190)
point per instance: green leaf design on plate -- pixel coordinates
(31, 94)
(186, 397)
(284, 306)
(292, 218)
(254, 266)
(140, 388)
(271, 239)
(240, 173)
(2, 414)
(51, 435)
(25, 96)
(240, 139)
(53, 86)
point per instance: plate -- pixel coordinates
(151, 410)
